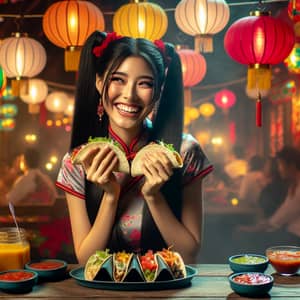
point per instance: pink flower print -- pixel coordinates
(135, 235)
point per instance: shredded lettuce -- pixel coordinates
(168, 146)
(104, 139)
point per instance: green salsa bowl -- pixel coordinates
(248, 263)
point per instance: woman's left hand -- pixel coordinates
(157, 169)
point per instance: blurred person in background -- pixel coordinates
(253, 182)
(283, 226)
(33, 187)
(237, 165)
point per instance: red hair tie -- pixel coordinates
(110, 37)
(162, 49)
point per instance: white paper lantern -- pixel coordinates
(57, 102)
(34, 93)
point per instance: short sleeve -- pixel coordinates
(195, 162)
(71, 178)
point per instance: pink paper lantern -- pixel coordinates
(225, 99)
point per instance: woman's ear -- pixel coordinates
(99, 83)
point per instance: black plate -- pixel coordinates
(78, 275)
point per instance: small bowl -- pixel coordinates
(18, 281)
(251, 284)
(48, 269)
(248, 263)
(284, 259)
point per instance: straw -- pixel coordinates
(12, 211)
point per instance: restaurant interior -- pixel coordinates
(224, 110)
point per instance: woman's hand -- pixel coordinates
(157, 169)
(99, 165)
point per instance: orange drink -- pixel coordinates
(14, 249)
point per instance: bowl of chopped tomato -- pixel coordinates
(284, 259)
(48, 269)
(18, 281)
(251, 284)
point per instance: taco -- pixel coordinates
(121, 262)
(99, 142)
(168, 149)
(174, 261)
(94, 264)
(149, 265)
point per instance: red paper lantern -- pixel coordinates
(259, 41)
(225, 99)
(193, 66)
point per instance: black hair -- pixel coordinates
(167, 122)
(32, 158)
(239, 152)
(256, 163)
(290, 156)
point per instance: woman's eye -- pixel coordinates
(147, 84)
(117, 79)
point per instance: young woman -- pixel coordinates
(121, 81)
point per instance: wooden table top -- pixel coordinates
(210, 283)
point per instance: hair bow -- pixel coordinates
(110, 37)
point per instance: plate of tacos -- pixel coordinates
(159, 270)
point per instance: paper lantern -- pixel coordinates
(141, 19)
(21, 57)
(202, 19)
(193, 66)
(7, 124)
(2, 80)
(69, 111)
(207, 109)
(34, 94)
(293, 9)
(293, 60)
(259, 41)
(57, 102)
(67, 24)
(225, 99)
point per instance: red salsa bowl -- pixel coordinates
(18, 281)
(284, 259)
(50, 269)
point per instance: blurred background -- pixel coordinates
(220, 110)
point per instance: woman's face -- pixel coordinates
(130, 93)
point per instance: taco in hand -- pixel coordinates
(121, 262)
(100, 142)
(94, 264)
(168, 149)
(174, 261)
(149, 265)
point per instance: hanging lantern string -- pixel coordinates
(165, 9)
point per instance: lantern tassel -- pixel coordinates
(204, 43)
(33, 108)
(259, 77)
(72, 56)
(258, 111)
(187, 94)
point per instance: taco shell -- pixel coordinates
(149, 265)
(94, 264)
(175, 262)
(78, 153)
(121, 262)
(174, 156)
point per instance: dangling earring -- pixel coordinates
(100, 110)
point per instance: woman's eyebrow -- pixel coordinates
(126, 75)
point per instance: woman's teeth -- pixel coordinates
(126, 108)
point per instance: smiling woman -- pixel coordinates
(121, 81)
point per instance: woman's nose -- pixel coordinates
(129, 91)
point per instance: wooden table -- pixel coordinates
(210, 283)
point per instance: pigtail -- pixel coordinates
(168, 123)
(85, 121)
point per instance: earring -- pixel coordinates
(100, 110)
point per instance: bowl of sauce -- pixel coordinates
(49, 269)
(18, 281)
(284, 259)
(251, 284)
(248, 263)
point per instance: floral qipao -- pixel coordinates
(71, 179)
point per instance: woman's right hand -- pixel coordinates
(99, 165)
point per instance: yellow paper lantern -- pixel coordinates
(207, 109)
(67, 24)
(202, 19)
(57, 102)
(141, 19)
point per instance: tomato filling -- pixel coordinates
(46, 265)
(254, 278)
(16, 276)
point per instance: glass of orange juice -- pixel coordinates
(14, 248)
